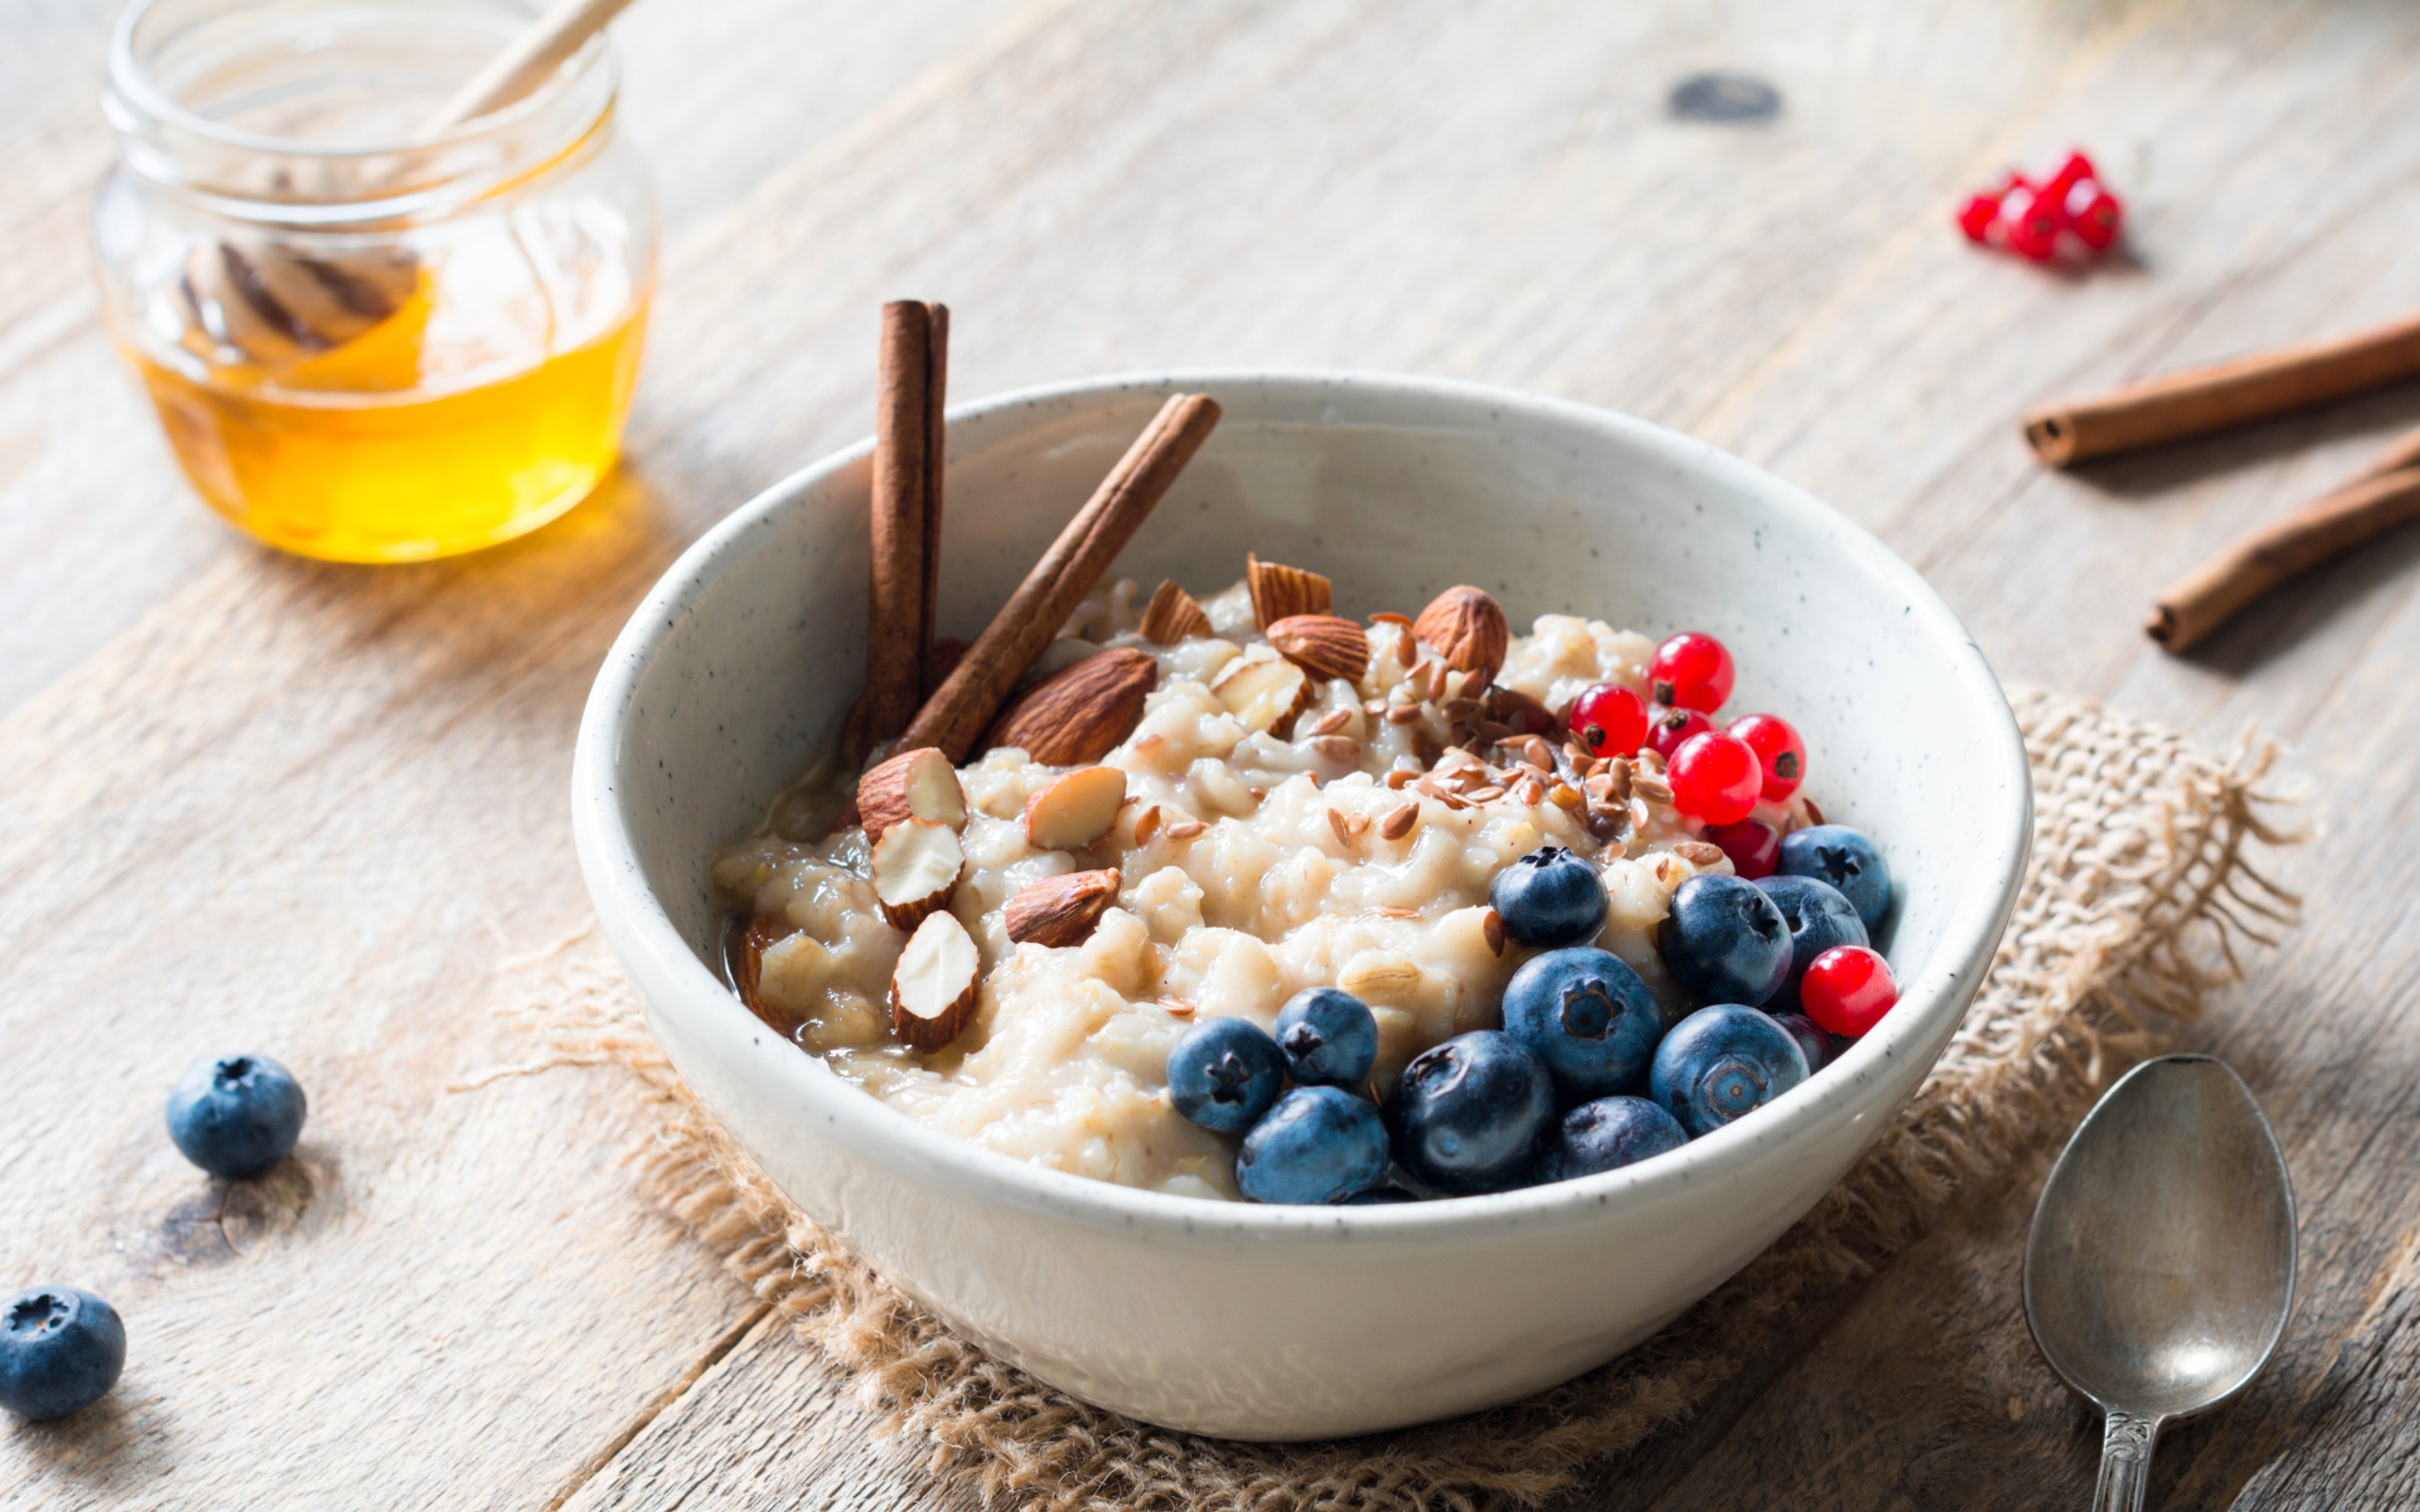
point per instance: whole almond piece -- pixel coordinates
(1075, 810)
(1265, 691)
(1080, 714)
(915, 865)
(1280, 591)
(933, 987)
(914, 784)
(1466, 626)
(1061, 911)
(1173, 615)
(747, 972)
(1324, 645)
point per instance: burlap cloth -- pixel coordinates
(2137, 895)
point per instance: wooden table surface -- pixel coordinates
(251, 802)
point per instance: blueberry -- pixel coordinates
(1813, 1042)
(1328, 1037)
(1819, 918)
(1839, 856)
(1609, 1133)
(1721, 1062)
(1469, 1112)
(1549, 898)
(1724, 941)
(59, 1350)
(1587, 1016)
(1224, 1074)
(1319, 1144)
(237, 1116)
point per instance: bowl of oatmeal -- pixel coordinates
(1019, 1168)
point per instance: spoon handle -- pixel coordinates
(2125, 1462)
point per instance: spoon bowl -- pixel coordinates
(2160, 1270)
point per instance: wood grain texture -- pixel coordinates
(252, 802)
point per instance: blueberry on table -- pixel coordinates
(1813, 1042)
(1725, 941)
(1549, 898)
(1224, 1075)
(1469, 1113)
(1319, 1144)
(1607, 1135)
(1586, 1014)
(1819, 917)
(1839, 856)
(237, 1116)
(60, 1348)
(1722, 1062)
(1329, 1037)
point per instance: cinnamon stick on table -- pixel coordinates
(907, 515)
(959, 711)
(2383, 495)
(2202, 399)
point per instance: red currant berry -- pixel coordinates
(1691, 671)
(1848, 989)
(1778, 750)
(1610, 720)
(2064, 169)
(2032, 223)
(1976, 216)
(2093, 214)
(1669, 729)
(1715, 778)
(1753, 845)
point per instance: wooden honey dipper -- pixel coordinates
(277, 306)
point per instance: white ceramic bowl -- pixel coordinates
(1276, 1322)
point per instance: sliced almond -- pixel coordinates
(915, 865)
(1061, 911)
(914, 784)
(1077, 809)
(1324, 645)
(1264, 691)
(1080, 714)
(1282, 592)
(1466, 625)
(933, 987)
(1173, 615)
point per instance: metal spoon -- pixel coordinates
(2161, 1265)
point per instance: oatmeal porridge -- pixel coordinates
(1223, 805)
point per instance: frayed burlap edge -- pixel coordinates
(2137, 895)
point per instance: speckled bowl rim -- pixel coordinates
(935, 1160)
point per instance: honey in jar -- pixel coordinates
(359, 350)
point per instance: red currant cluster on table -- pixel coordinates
(2063, 212)
(1718, 775)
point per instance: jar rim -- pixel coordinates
(142, 111)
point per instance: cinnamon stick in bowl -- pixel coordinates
(2241, 390)
(908, 435)
(962, 707)
(2382, 496)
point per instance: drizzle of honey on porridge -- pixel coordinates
(350, 456)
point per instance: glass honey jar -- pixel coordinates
(367, 340)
